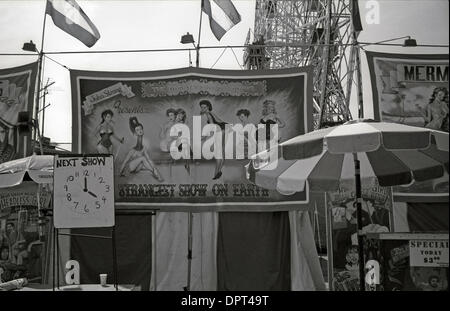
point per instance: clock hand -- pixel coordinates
(91, 193)
(85, 185)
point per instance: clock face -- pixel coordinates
(87, 191)
(83, 191)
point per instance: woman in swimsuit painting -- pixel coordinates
(137, 158)
(243, 115)
(436, 112)
(212, 118)
(269, 117)
(106, 130)
(164, 135)
(180, 118)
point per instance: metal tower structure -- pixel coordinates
(316, 33)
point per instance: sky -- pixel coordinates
(152, 24)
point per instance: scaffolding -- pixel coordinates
(316, 33)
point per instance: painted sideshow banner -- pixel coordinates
(22, 250)
(413, 90)
(376, 217)
(156, 126)
(16, 94)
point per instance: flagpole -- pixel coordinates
(190, 214)
(39, 79)
(43, 28)
(197, 60)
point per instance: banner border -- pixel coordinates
(77, 75)
(30, 69)
(371, 56)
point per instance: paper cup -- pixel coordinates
(103, 278)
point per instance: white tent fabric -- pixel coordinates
(306, 273)
(172, 247)
(38, 167)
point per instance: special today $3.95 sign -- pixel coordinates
(83, 191)
(428, 253)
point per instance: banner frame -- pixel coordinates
(306, 124)
(370, 55)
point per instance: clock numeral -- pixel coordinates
(97, 205)
(86, 209)
(69, 197)
(76, 204)
(101, 180)
(107, 188)
(66, 188)
(70, 178)
(86, 173)
(104, 200)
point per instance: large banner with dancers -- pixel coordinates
(176, 135)
(412, 89)
(17, 86)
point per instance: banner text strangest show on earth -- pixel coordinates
(174, 134)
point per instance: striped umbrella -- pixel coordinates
(393, 154)
(390, 153)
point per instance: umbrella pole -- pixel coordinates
(359, 222)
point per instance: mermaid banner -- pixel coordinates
(412, 89)
(16, 94)
(175, 134)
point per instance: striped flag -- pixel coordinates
(67, 15)
(222, 16)
(356, 17)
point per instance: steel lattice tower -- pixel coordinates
(316, 33)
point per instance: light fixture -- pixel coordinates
(410, 42)
(29, 46)
(187, 38)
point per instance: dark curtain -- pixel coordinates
(428, 217)
(134, 251)
(253, 251)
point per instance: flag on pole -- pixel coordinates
(222, 16)
(67, 15)
(356, 17)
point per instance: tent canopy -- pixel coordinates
(38, 167)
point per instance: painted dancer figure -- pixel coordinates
(243, 115)
(270, 117)
(212, 118)
(137, 158)
(164, 135)
(106, 131)
(180, 118)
